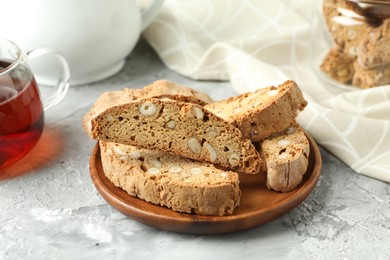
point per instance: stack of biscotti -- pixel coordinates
(173, 181)
(167, 144)
(361, 55)
(267, 117)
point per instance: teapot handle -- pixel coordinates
(149, 12)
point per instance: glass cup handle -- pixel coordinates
(62, 85)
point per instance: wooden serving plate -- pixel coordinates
(258, 204)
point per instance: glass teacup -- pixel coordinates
(21, 107)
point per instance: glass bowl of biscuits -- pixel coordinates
(350, 43)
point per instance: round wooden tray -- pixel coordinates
(258, 204)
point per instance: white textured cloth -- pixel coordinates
(255, 44)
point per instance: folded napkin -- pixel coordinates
(255, 44)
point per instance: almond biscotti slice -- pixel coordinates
(181, 128)
(263, 112)
(168, 180)
(338, 65)
(162, 89)
(286, 154)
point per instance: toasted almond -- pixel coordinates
(194, 145)
(147, 108)
(234, 159)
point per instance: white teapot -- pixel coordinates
(95, 36)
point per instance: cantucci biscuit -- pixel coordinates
(168, 180)
(286, 155)
(181, 128)
(369, 78)
(374, 50)
(338, 66)
(259, 114)
(347, 38)
(162, 89)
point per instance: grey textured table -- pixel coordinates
(50, 209)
